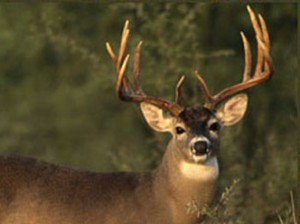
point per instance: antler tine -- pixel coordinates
(266, 38)
(258, 33)
(265, 33)
(121, 80)
(207, 97)
(124, 89)
(247, 52)
(125, 35)
(178, 89)
(268, 67)
(121, 70)
(136, 68)
(111, 53)
(263, 45)
(263, 70)
(121, 62)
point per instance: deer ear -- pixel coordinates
(233, 110)
(156, 118)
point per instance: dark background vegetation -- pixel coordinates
(58, 102)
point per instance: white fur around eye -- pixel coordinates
(179, 130)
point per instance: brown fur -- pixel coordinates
(35, 192)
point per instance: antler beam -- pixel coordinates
(134, 93)
(263, 70)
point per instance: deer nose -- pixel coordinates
(200, 148)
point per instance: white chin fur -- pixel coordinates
(201, 158)
(205, 170)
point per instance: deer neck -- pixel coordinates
(183, 182)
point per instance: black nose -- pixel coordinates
(200, 148)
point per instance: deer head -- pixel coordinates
(195, 129)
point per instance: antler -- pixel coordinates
(134, 93)
(263, 70)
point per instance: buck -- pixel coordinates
(36, 192)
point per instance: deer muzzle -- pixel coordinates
(200, 147)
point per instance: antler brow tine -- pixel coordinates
(178, 89)
(207, 97)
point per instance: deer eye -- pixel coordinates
(215, 127)
(179, 130)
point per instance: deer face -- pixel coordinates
(195, 130)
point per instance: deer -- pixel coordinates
(34, 191)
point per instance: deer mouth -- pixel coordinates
(201, 157)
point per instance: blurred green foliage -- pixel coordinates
(58, 102)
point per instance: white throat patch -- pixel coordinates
(206, 171)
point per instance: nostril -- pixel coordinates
(200, 147)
